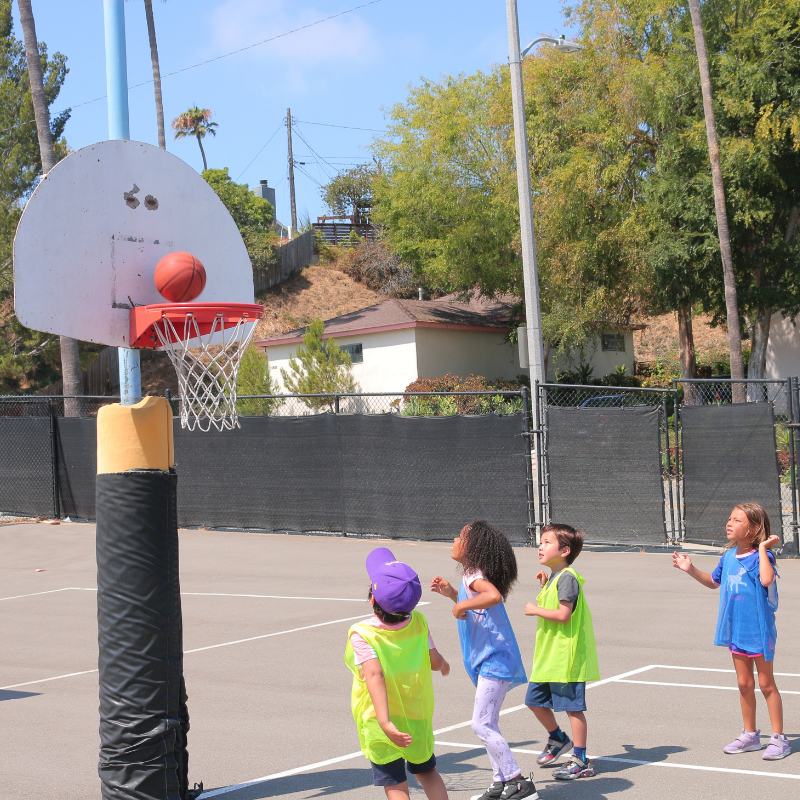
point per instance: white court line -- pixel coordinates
(762, 774)
(220, 594)
(299, 770)
(33, 594)
(696, 686)
(199, 649)
(716, 669)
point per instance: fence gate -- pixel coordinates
(604, 456)
(737, 444)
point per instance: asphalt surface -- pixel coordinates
(269, 698)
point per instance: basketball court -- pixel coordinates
(265, 620)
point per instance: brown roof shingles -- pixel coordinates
(446, 310)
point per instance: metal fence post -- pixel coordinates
(792, 415)
(336, 404)
(526, 437)
(54, 460)
(539, 438)
(669, 467)
(678, 445)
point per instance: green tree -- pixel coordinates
(319, 367)
(28, 359)
(253, 216)
(254, 379)
(195, 122)
(350, 192)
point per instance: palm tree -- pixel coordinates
(70, 356)
(195, 122)
(731, 300)
(151, 32)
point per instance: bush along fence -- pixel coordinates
(628, 465)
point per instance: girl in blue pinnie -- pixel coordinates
(748, 600)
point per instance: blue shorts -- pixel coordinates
(558, 696)
(395, 771)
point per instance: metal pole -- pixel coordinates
(526, 436)
(54, 459)
(533, 314)
(539, 431)
(792, 409)
(678, 445)
(130, 369)
(669, 467)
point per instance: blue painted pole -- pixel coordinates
(130, 371)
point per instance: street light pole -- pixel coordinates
(533, 312)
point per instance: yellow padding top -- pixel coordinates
(135, 437)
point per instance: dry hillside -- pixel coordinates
(660, 339)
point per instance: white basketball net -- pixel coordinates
(207, 366)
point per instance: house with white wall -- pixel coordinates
(395, 342)
(783, 348)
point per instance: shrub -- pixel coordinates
(379, 268)
(462, 404)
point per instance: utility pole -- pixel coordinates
(291, 170)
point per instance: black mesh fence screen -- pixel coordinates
(77, 466)
(729, 457)
(26, 475)
(417, 477)
(604, 472)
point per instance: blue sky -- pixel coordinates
(342, 72)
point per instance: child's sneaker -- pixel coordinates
(746, 743)
(519, 788)
(553, 750)
(777, 748)
(492, 793)
(575, 768)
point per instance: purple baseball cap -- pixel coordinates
(395, 585)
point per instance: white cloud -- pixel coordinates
(343, 40)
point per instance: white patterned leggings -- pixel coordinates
(489, 697)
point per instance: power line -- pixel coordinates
(242, 49)
(280, 125)
(347, 127)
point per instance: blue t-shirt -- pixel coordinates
(748, 561)
(746, 622)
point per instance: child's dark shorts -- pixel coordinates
(395, 771)
(558, 696)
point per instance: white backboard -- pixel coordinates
(95, 228)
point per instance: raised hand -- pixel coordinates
(771, 542)
(542, 577)
(443, 587)
(681, 561)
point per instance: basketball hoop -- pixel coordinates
(205, 344)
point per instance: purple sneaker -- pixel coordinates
(777, 748)
(745, 743)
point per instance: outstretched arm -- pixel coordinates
(766, 572)
(376, 686)
(683, 562)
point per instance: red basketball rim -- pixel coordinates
(143, 318)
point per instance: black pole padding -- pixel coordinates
(143, 716)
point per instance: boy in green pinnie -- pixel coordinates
(566, 656)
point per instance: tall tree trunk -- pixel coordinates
(151, 32)
(202, 152)
(70, 360)
(731, 301)
(687, 354)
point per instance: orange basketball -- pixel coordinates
(180, 277)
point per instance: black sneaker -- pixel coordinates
(519, 788)
(494, 792)
(553, 750)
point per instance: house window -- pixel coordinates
(613, 342)
(356, 353)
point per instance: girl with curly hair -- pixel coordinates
(489, 647)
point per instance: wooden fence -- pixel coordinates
(295, 256)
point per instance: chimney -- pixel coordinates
(265, 191)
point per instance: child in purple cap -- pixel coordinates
(391, 657)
